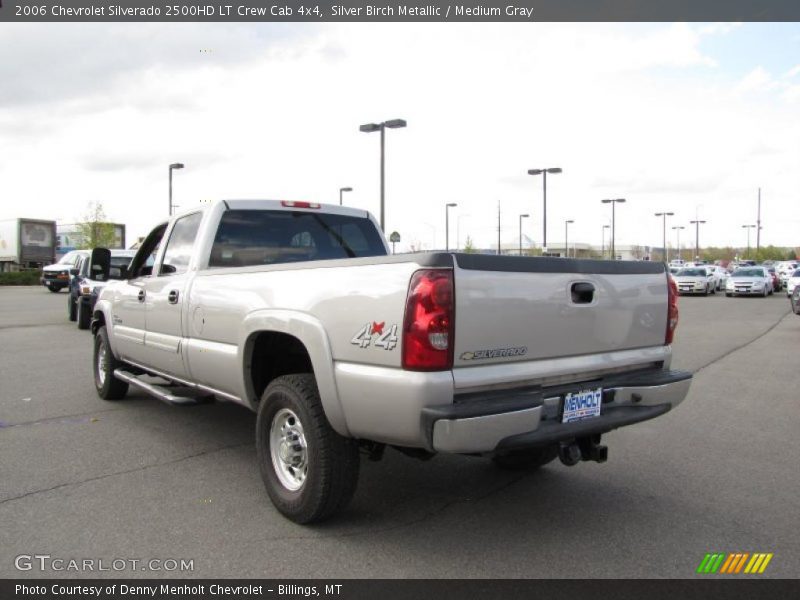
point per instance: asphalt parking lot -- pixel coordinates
(82, 478)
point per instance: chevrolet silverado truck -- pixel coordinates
(297, 311)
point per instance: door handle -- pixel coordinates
(173, 297)
(582, 292)
(141, 296)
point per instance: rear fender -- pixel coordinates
(313, 336)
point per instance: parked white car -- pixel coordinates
(792, 281)
(749, 281)
(695, 280)
(719, 274)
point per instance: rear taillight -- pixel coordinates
(672, 309)
(429, 325)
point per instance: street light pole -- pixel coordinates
(498, 228)
(758, 222)
(520, 231)
(613, 203)
(543, 173)
(677, 230)
(566, 237)
(370, 128)
(171, 168)
(664, 216)
(697, 238)
(447, 225)
(603, 243)
(748, 227)
(344, 189)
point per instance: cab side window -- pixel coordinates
(180, 244)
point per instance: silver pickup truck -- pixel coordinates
(296, 311)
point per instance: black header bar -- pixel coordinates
(322, 11)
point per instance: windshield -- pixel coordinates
(70, 258)
(692, 273)
(748, 273)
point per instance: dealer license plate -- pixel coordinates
(582, 405)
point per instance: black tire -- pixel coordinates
(526, 460)
(728, 295)
(84, 315)
(53, 288)
(108, 387)
(706, 292)
(72, 310)
(331, 461)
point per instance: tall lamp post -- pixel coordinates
(677, 230)
(603, 243)
(613, 203)
(370, 128)
(525, 216)
(447, 224)
(748, 227)
(664, 216)
(543, 173)
(566, 237)
(171, 168)
(697, 238)
(346, 189)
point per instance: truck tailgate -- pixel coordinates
(524, 308)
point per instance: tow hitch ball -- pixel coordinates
(585, 448)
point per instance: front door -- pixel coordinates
(165, 299)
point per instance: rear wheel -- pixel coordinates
(309, 470)
(71, 308)
(521, 460)
(84, 315)
(108, 387)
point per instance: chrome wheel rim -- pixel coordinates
(287, 445)
(102, 364)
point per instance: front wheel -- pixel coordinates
(309, 470)
(53, 288)
(522, 460)
(108, 387)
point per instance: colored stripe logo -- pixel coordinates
(734, 563)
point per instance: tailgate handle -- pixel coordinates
(582, 292)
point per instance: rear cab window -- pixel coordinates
(265, 237)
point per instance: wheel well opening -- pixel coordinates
(98, 321)
(274, 354)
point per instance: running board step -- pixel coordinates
(161, 392)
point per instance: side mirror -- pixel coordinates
(74, 272)
(100, 264)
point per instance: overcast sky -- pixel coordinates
(688, 118)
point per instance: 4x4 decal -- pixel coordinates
(385, 339)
